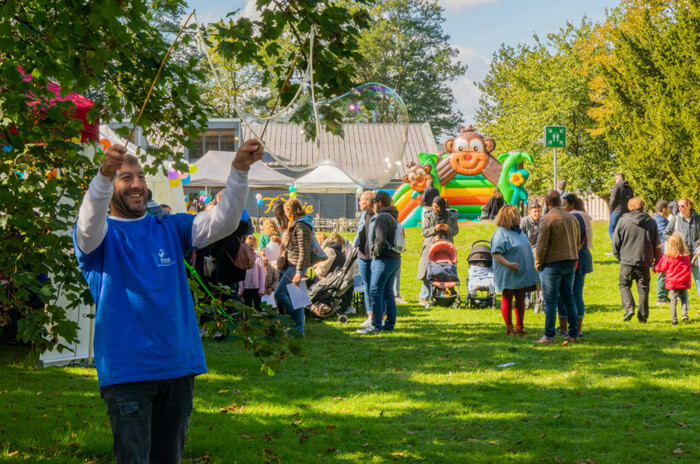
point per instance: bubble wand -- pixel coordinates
(155, 79)
(279, 94)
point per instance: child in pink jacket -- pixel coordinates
(252, 288)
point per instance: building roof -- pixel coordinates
(363, 144)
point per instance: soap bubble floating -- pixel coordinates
(362, 132)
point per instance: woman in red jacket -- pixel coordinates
(676, 264)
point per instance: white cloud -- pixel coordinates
(466, 92)
(250, 10)
(455, 6)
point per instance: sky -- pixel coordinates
(477, 28)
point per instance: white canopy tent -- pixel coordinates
(214, 167)
(326, 178)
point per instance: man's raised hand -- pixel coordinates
(115, 156)
(248, 153)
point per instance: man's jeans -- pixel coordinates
(149, 419)
(640, 274)
(557, 282)
(381, 291)
(577, 289)
(366, 275)
(614, 217)
(284, 302)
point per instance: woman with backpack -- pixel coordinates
(439, 223)
(687, 224)
(296, 258)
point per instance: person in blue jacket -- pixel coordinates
(147, 344)
(661, 220)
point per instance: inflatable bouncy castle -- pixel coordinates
(465, 174)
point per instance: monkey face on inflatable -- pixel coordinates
(469, 151)
(418, 176)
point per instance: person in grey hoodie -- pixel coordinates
(635, 245)
(385, 262)
(621, 194)
(687, 223)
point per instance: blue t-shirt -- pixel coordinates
(145, 323)
(516, 248)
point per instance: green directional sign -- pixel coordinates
(555, 136)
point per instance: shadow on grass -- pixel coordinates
(445, 395)
(434, 391)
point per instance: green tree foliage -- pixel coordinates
(109, 45)
(546, 84)
(407, 50)
(648, 61)
(272, 42)
(113, 48)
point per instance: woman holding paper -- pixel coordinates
(295, 259)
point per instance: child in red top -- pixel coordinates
(676, 264)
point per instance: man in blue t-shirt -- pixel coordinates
(147, 344)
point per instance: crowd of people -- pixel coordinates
(147, 342)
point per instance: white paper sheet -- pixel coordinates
(299, 295)
(269, 299)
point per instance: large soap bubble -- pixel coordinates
(363, 132)
(368, 138)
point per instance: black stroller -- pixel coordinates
(481, 283)
(327, 294)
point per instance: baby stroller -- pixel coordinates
(442, 274)
(481, 283)
(326, 294)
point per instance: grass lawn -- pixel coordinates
(431, 391)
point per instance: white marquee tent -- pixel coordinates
(214, 167)
(326, 178)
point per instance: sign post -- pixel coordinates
(555, 137)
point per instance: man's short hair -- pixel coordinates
(620, 175)
(661, 205)
(636, 204)
(383, 198)
(553, 199)
(131, 160)
(534, 205)
(561, 185)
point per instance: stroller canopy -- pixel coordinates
(443, 251)
(480, 254)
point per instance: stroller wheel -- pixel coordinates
(343, 319)
(456, 304)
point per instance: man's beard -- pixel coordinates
(120, 206)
